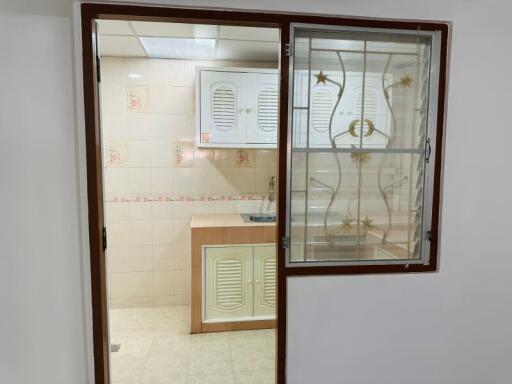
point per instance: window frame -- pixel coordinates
(428, 261)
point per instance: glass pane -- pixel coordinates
(359, 131)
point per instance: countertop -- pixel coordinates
(223, 220)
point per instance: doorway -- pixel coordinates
(189, 121)
(248, 254)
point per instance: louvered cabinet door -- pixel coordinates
(228, 286)
(262, 108)
(265, 272)
(223, 107)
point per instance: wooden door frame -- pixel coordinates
(93, 11)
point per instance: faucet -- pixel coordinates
(272, 185)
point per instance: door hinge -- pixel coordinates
(429, 235)
(428, 150)
(104, 232)
(98, 70)
(288, 49)
(285, 242)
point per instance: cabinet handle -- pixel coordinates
(248, 110)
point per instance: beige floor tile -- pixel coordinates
(252, 360)
(210, 362)
(157, 348)
(127, 368)
(255, 377)
(163, 377)
(211, 379)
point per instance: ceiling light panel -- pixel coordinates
(145, 28)
(179, 48)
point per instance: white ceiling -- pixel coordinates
(121, 38)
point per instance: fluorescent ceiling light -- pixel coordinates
(179, 48)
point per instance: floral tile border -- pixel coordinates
(185, 198)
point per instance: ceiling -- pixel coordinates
(126, 38)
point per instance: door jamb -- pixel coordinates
(92, 11)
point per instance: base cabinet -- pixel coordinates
(239, 282)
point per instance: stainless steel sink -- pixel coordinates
(258, 217)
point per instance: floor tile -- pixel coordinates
(255, 377)
(212, 379)
(157, 348)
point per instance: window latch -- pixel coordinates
(428, 150)
(104, 235)
(285, 242)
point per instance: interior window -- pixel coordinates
(362, 136)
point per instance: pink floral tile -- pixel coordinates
(137, 99)
(116, 154)
(245, 158)
(184, 154)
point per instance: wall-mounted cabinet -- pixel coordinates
(236, 107)
(239, 282)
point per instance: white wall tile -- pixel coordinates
(161, 154)
(162, 209)
(182, 209)
(141, 232)
(163, 301)
(160, 99)
(142, 258)
(203, 207)
(182, 282)
(113, 98)
(140, 210)
(161, 126)
(183, 73)
(139, 154)
(225, 207)
(180, 232)
(163, 181)
(181, 256)
(149, 255)
(182, 299)
(182, 100)
(163, 283)
(159, 72)
(117, 211)
(112, 70)
(113, 127)
(137, 126)
(140, 284)
(118, 233)
(163, 257)
(140, 180)
(119, 258)
(136, 71)
(163, 232)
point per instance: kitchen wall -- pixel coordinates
(155, 177)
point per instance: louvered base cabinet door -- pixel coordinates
(265, 273)
(228, 288)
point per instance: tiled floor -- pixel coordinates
(156, 348)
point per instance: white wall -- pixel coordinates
(446, 328)
(41, 315)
